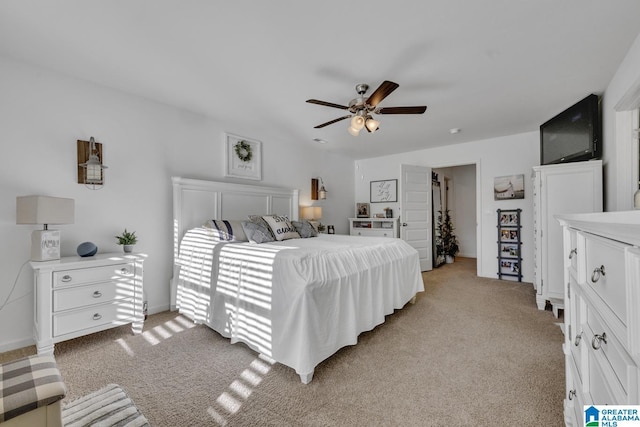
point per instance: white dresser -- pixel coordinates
(602, 311)
(559, 189)
(77, 296)
(379, 227)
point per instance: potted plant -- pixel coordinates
(446, 242)
(127, 240)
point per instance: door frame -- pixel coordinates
(478, 164)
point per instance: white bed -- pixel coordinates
(296, 301)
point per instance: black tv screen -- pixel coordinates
(573, 135)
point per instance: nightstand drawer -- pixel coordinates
(81, 296)
(116, 313)
(92, 275)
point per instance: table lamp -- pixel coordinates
(45, 243)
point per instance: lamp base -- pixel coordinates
(45, 245)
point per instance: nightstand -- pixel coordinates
(77, 296)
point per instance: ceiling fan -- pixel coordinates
(361, 108)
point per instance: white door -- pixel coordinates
(415, 212)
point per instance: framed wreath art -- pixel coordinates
(244, 157)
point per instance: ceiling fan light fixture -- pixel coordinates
(372, 124)
(353, 131)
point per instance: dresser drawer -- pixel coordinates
(577, 337)
(572, 238)
(604, 271)
(98, 293)
(601, 340)
(115, 313)
(600, 384)
(91, 275)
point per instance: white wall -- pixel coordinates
(619, 150)
(145, 143)
(511, 155)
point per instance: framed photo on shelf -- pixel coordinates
(509, 250)
(507, 267)
(362, 210)
(243, 157)
(384, 191)
(507, 235)
(508, 219)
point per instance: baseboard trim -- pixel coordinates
(18, 344)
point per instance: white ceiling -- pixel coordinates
(489, 67)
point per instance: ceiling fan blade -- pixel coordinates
(327, 104)
(332, 122)
(402, 110)
(382, 92)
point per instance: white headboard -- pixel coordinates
(195, 201)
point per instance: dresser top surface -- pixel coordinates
(623, 226)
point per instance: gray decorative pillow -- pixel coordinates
(259, 220)
(226, 230)
(304, 228)
(257, 233)
(281, 227)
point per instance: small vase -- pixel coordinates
(449, 259)
(127, 248)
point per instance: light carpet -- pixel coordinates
(470, 351)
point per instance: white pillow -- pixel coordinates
(281, 227)
(231, 231)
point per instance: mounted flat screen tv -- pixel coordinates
(573, 135)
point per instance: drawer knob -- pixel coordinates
(572, 394)
(597, 340)
(124, 271)
(66, 278)
(97, 316)
(573, 252)
(97, 294)
(597, 273)
(578, 338)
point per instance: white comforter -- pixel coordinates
(296, 301)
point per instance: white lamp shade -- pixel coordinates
(372, 125)
(311, 213)
(357, 122)
(44, 210)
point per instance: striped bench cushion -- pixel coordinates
(109, 406)
(29, 383)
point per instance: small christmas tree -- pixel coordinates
(446, 242)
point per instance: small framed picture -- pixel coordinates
(507, 235)
(243, 157)
(509, 250)
(362, 210)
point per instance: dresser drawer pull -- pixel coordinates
(578, 338)
(572, 394)
(597, 339)
(124, 271)
(97, 294)
(97, 316)
(597, 273)
(573, 252)
(66, 278)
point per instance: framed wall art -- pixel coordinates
(508, 187)
(243, 157)
(384, 191)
